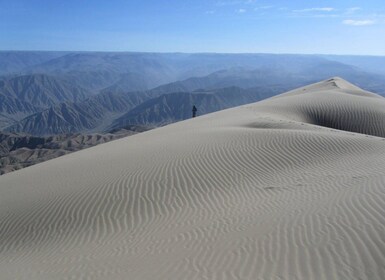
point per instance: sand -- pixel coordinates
(292, 187)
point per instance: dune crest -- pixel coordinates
(288, 188)
(336, 83)
(333, 103)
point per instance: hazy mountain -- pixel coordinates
(42, 90)
(24, 95)
(122, 80)
(112, 110)
(93, 114)
(238, 77)
(97, 70)
(116, 102)
(130, 82)
(100, 70)
(63, 118)
(162, 67)
(13, 62)
(374, 64)
(266, 77)
(278, 78)
(203, 64)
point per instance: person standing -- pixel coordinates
(194, 111)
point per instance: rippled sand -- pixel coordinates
(292, 187)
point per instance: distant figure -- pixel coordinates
(194, 111)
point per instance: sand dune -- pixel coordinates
(292, 187)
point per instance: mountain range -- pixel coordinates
(91, 115)
(46, 94)
(23, 95)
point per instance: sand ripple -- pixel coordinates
(288, 188)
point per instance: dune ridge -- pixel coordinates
(286, 188)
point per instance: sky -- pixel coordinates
(224, 26)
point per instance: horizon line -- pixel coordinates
(180, 52)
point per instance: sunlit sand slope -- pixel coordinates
(292, 187)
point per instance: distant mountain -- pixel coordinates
(99, 70)
(14, 62)
(130, 82)
(203, 64)
(373, 64)
(42, 90)
(93, 114)
(94, 81)
(113, 109)
(278, 78)
(63, 118)
(95, 91)
(24, 95)
(238, 77)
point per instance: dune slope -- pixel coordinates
(288, 188)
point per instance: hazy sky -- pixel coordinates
(280, 26)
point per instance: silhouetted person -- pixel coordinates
(194, 111)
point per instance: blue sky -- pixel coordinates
(235, 26)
